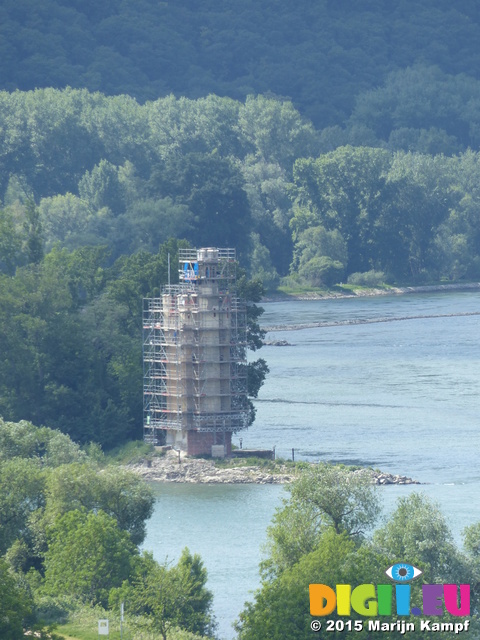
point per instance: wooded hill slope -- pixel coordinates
(325, 56)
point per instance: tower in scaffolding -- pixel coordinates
(194, 356)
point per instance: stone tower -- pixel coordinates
(194, 354)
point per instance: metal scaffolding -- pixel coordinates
(194, 350)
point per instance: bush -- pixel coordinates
(367, 278)
(322, 270)
(50, 609)
(132, 452)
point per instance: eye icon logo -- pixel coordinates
(402, 572)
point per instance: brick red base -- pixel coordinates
(200, 443)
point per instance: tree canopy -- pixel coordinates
(317, 206)
(314, 539)
(70, 523)
(330, 58)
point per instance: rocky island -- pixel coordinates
(169, 467)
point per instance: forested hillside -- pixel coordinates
(322, 55)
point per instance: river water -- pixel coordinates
(393, 382)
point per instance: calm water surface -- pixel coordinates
(401, 395)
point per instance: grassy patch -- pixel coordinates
(353, 288)
(76, 631)
(132, 452)
(280, 465)
(73, 632)
(272, 466)
(85, 627)
(298, 289)
(82, 624)
(346, 289)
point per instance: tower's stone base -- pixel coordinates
(197, 443)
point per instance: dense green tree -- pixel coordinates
(310, 543)
(17, 191)
(257, 372)
(322, 256)
(69, 525)
(169, 597)
(471, 543)
(66, 368)
(63, 218)
(261, 266)
(343, 191)
(16, 605)
(267, 190)
(142, 275)
(119, 493)
(101, 187)
(21, 494)
(282, 608)
(25, 440)
(34, 233)
(457, 241)
(274, 130)
(179, 126)
(294, 532)
(423, 189)
(217, 172)
(418, 530)
(212, 188)
(348, 502)
(11, 254)
(48, 140)
(324, 496)
(150, 222)
(87, 556)
(322, 56)
(404, 214)
(322, 271)
(472, 539)
(251, 291)
(422, 109)
(317, 241)
(196, 614)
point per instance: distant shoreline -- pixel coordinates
(473, 286)
(363, 293)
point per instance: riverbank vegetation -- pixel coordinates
(71, 522)
(79, 169)
(322, 535)
(72, 519)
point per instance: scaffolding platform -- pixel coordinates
(194, 355)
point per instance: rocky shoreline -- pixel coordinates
(167, 468)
